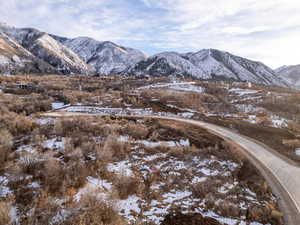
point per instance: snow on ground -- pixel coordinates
(26, 148)
(187, 88)
(278, 121)
(175, 196)
(4, 189)
(57, 105)
(177, 86)
(45, 120)
(109, 111)
(55, 143)
(241, 92)
(248, 108)
(130, 206)
(297, 151)
(122, 168)
(153, 144)
(161, 85)
(100, 183)
(96, 186)
(187, 115)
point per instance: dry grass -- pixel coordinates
(16, 124)
(5, 217)
(137, 131)
(285, 106)
(6, 142)
(96, 212)
(126, 186)
(119, 150)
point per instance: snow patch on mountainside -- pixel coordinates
(165, 64)
(46, 48)
(16, 59)
(207, 64)
(106, 57)
(291, 74)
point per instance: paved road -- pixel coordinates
(282, 176)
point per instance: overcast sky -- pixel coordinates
(264, 30)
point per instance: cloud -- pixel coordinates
(262, 30)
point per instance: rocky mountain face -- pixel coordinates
(106, 57)
(207, 64)
(290, 74)
(166, 64)
(46, 48)
(16, 59)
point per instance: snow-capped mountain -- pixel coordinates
(223, 64)
(290, 74)
(165, 64)
(207, 64)
(16, 59)
(48, 49)
(106, 57)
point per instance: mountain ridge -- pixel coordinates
(84, 55)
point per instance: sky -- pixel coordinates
(263, 30)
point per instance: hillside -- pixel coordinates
(291, 74)
(106, 57)
(48, 49)
(16, 59)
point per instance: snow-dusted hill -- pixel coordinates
(106, 57)
(16, 59)
(48, 49)
(207, 64)
(291, 74)
(165, 64)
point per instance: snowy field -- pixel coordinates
(177, 86)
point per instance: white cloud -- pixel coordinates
(263, 30)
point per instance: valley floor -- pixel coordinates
(84, 170)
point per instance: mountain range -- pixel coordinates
(28, 50)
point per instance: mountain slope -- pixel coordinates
(221, 64)
(208, 64)
(48, 49)
(106, 57)
(165, 64)
(291, 74)
(16, 59)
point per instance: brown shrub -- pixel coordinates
(104, 153)
(31, 163)
(16, 124)
(137, 131)
(228, 209)
(120, 150)
(188, 219)
(53, 175)
(200, 190)
(6, 142)
(5, 217)
(259, 213)
(96, 212)
(126, 186)
(75, 174)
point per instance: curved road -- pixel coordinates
(282, 176)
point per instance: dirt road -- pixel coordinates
(282, 176)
